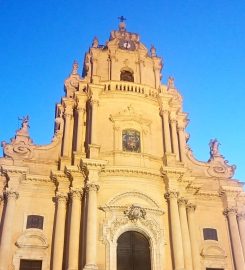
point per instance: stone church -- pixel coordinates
(118, 187)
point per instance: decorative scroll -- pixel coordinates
(21, 146)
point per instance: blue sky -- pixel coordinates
(202, 44)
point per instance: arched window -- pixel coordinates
(127, 76)
(133, 252)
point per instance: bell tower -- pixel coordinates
(123, 58)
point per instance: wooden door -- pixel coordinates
(133, 252)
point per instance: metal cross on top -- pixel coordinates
(122, 19)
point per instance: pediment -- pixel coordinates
(129, 114)
(128, 198)
(213, 250)
(32, 239)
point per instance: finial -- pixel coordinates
(214, 148)
(153, 51)
(122, 25)
(74, 67)
(95, 43)
(171, 82)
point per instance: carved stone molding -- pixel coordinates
(140, 172)
(9, 170)
(38, 178)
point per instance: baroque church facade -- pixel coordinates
(118, 188)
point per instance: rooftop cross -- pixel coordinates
(122, 19)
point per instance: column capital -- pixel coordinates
(171, 194)
(230, 211)
(92, 187)
(61, 197)
(182, 201)
(191, 207)
(241, 216)
(95, 102)
(164, 112)
(11, 194)
(180, 128)
(173, 121)
(75, 193)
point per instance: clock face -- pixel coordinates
(127, 45)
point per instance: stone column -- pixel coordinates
(185, 234)
(1, 207)
(6, 241)
(173, 124)
(94, 136)
(175, 231)
(67, 134)
(61, 200)
(80, 126)
(241, 225)
(74, 234)
(193, 236)
(91, 241)
(167, 141)
(235, 238)
(182, 143)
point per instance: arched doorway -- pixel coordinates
(133, 252)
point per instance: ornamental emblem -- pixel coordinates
(131, 140)
(135, 212)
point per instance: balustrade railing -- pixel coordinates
(122, 86)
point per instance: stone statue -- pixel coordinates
(74, 68)
(95, 43)
(153, 51)
(171, 82)
(214, 148)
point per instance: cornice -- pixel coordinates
(38, 178)
(130, 171)
(11, 169)
(93, 163)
